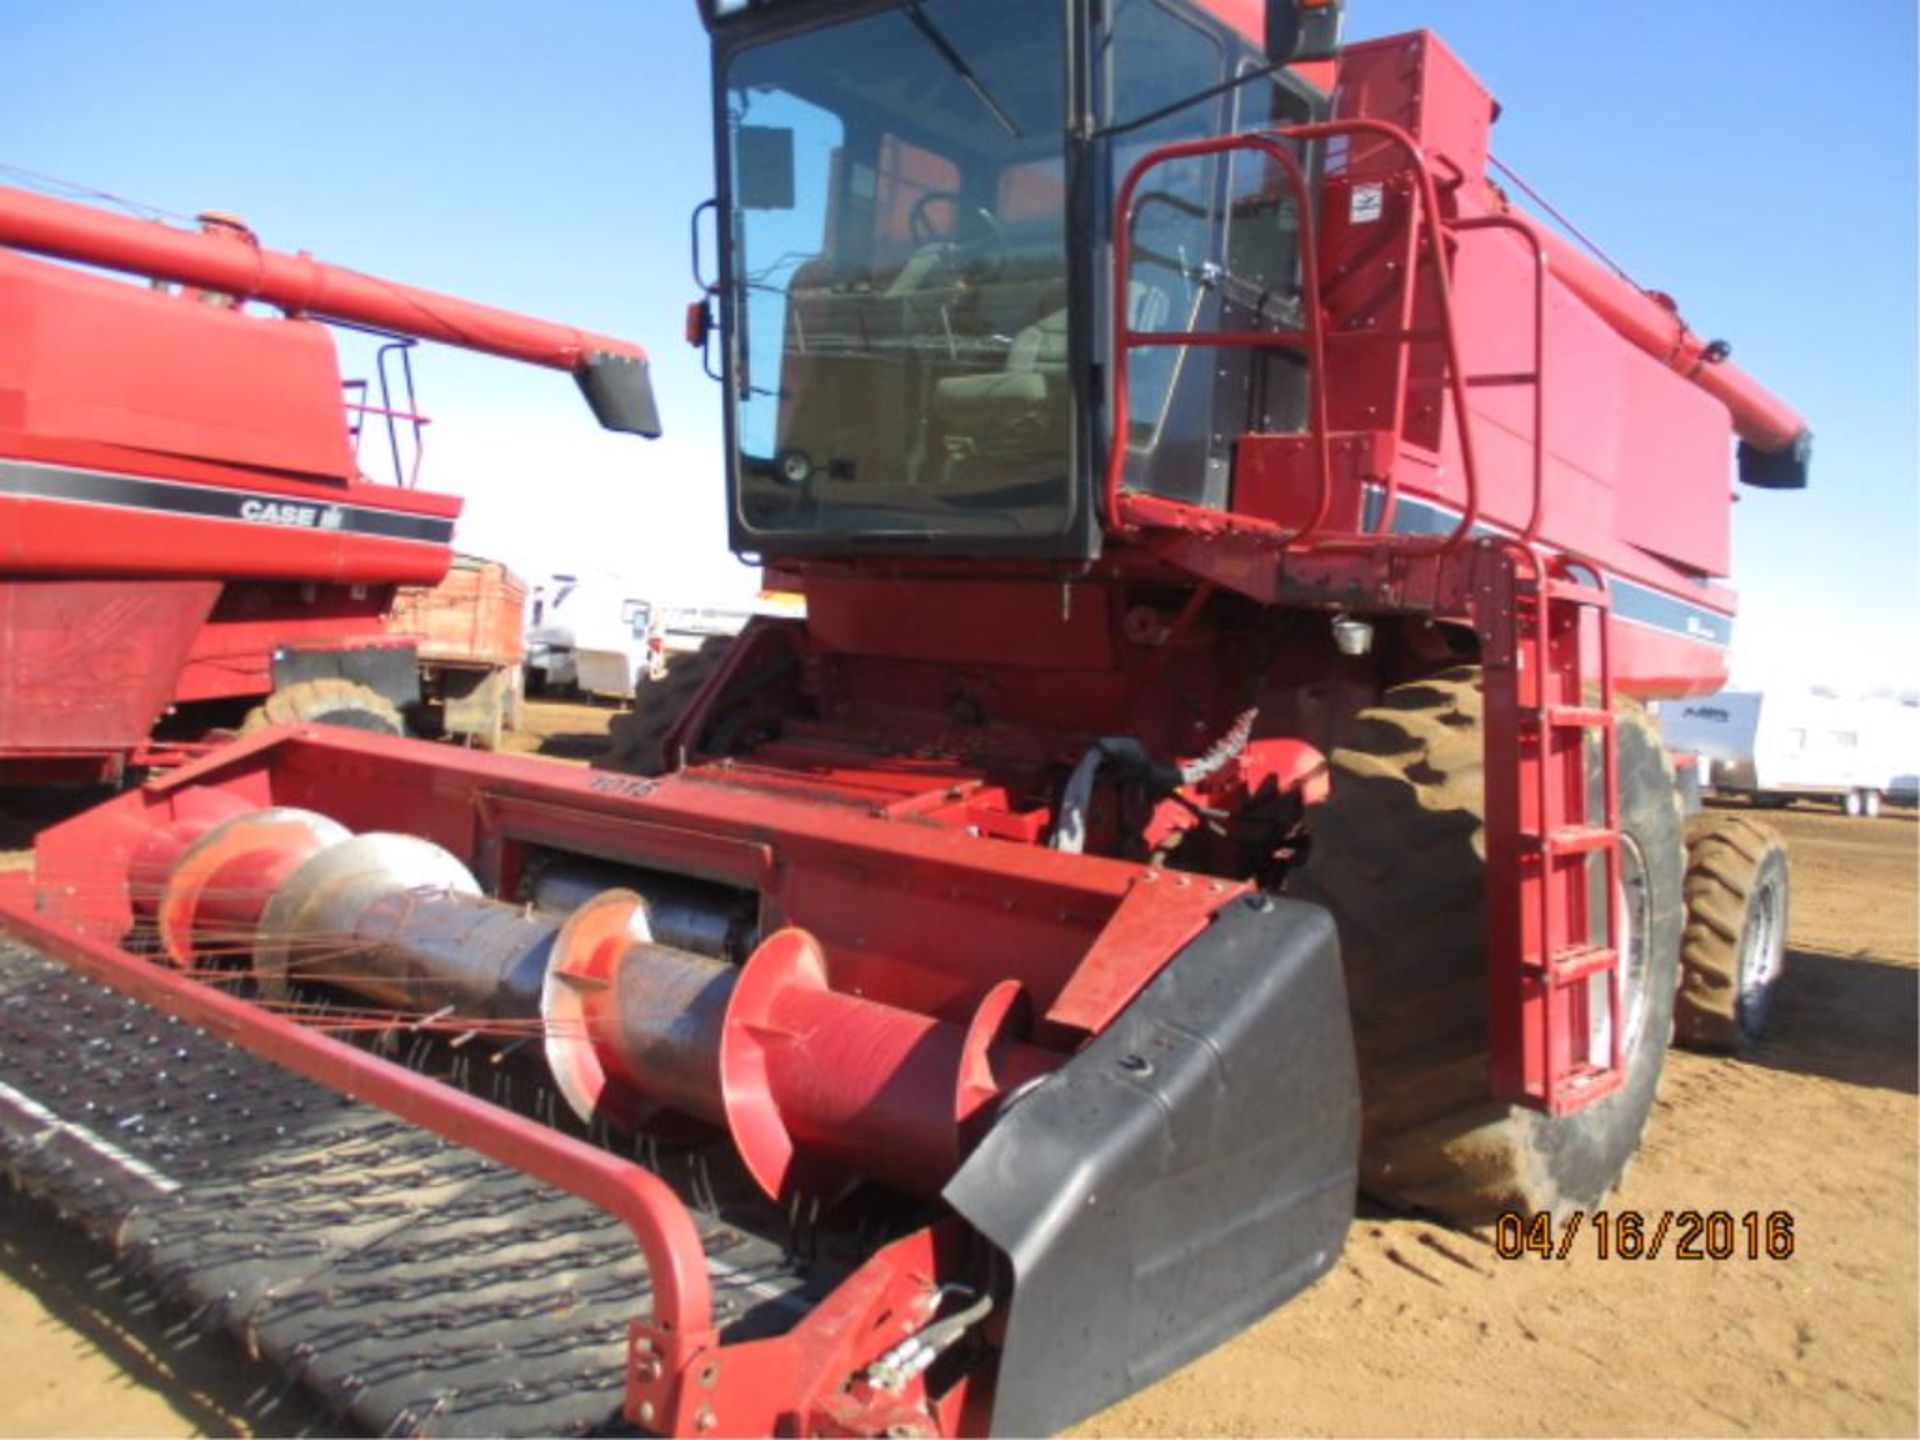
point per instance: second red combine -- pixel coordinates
(185, 526)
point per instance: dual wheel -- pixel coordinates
(1735, 947)
(1858, 803)
(1398, 855)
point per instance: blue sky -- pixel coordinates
(1756, 158)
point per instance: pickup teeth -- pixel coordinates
(378, 1273)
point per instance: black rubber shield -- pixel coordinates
(390, 671)
(1194, 1167)
(1777, 469)
(620, 392)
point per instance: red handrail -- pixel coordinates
(1126, 338)
(1539, 378)
(1312, 340)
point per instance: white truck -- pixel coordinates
(1777, 746)
(589, 633)
(687, 628)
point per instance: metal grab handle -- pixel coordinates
(1311, 340)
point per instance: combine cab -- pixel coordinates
(1207, 779)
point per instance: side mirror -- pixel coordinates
(763, 167)
(1303, 30)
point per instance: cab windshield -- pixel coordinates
(899, 273)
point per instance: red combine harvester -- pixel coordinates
(183, 519)
(1206, 781)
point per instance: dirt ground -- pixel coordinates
(1419, 1330)
(1425, 1331)
(562, 731)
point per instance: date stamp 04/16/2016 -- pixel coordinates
(1646, 1235)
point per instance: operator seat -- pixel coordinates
(1012, 402)
(1027, 394)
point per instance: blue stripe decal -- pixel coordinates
(1633, 602)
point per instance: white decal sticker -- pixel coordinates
(1367, 205)
(268, 512)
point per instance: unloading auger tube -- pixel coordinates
(224, 257)
(816, 1088)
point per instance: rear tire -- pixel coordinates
(1398, 855)
(344, 703)
(637, 738)
(1735, 944)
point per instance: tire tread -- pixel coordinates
(1399, 856)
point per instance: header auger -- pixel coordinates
(1206, 780)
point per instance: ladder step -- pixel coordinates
(1520, 377)
(1582, 962)
(1576, 839)
(1579, 717)
(1583, 1086)
(1576, 594)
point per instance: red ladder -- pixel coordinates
(1554, 933)
(1564, 882)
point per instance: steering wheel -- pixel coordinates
(975, 243)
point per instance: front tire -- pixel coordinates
(637, 738)
(344, 703)
(1398, 855)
